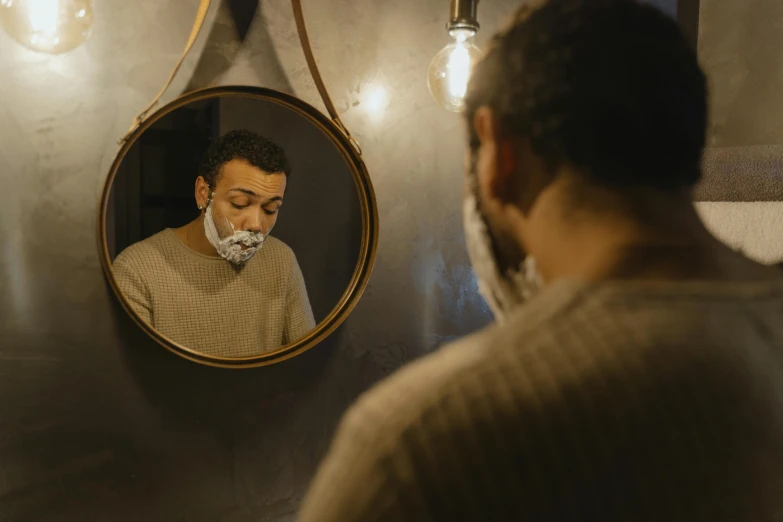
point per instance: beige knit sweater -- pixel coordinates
(619, 401)
(207, 305)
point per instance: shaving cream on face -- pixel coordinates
(502, 292)
(230, 246)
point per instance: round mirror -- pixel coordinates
(238, 226)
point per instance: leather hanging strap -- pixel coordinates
(319, 83)
(201, 15)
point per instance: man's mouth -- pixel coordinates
(246, 246)
(244, 243)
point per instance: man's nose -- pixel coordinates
(255, 222)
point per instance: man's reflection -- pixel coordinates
(220, 285)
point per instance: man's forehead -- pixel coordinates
(240, 168)
(250, 180)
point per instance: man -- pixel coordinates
(221, 285)
(643, 380)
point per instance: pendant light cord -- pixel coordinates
(201, 15)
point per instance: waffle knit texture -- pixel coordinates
(205, 304)
(618, 401)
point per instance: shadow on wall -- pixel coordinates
(243, 12)
(230, 32)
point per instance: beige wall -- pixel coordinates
(741, 48)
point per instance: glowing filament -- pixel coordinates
(458, 71)
(43, 16)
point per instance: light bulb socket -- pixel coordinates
(463, 16)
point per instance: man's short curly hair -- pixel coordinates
(245, 145)
(611, 87)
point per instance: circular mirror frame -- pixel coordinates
(367, 249)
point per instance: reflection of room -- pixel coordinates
(320, 219)
(155, 183)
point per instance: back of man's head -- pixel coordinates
(608, 87)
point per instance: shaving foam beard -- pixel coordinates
(502, 292)
(230, 246)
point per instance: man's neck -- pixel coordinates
(648, 235)
(194, 236)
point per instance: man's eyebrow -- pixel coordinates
(243, 191)
(253, 194)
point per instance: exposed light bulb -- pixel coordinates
(450, 70)
(49, 26)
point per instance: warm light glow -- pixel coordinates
(450, 71)
(375, 100)
(50, 26)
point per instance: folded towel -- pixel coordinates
(742, 174)
(753, 227)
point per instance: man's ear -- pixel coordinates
(483, 124)
(202, 192)
(499, 167)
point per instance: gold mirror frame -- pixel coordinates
(367, 249)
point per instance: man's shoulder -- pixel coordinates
(402, 399)
(570, 335)
(465, 369)
(144, 251)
